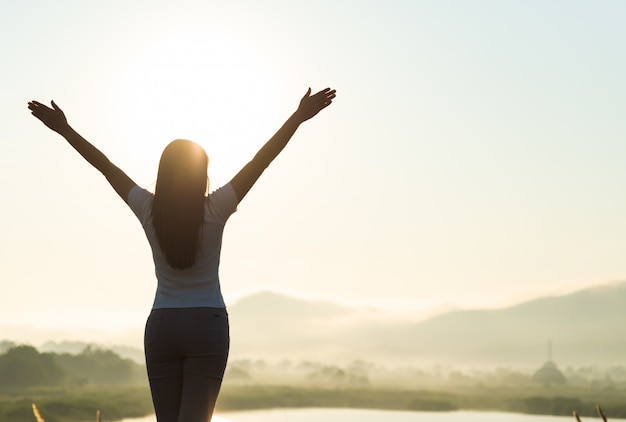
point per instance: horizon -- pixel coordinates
(67, 329)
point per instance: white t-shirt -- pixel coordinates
(198, 285)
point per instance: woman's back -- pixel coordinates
(198, 285)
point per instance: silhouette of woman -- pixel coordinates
(187, 336)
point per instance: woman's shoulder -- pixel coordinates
(223, 201)
(139, 200)
(224, 190)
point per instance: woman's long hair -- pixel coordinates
(179, 200)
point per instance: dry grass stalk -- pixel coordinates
(598, 409)
(40, 419)
(37, 414)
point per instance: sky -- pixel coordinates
(473, 157)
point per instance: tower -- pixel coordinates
(549, 374)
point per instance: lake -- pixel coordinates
(361, 415)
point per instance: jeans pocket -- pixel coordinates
(153, 325)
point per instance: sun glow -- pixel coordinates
(198, 86)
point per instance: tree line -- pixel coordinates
(24, 366)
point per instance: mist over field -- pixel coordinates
(583, 328)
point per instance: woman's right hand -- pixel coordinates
(53, 117)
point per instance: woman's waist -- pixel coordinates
(190, 296)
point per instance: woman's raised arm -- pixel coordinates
(309, 106)
(55, 119)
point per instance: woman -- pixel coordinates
(186, 339)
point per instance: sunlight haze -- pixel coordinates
(473, 157)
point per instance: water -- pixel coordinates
(360, 415)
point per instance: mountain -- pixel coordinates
(269, 325)
(585, 327)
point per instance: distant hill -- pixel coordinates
(270, 325)
(586, 327)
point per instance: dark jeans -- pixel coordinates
(186, 353)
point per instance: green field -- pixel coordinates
(80, 404)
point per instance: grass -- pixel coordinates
(80, 404)
(38, 417)
(69, 405)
